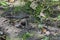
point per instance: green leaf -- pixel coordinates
(26, 35)
(46, 38)
(3, 3)
(55, 0)
(58, 17)
(40, 26)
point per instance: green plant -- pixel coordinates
(26, 35)
(27, 8)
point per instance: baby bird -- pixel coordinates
(45, 31)
(11, 1)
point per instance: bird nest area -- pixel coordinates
(29, 19)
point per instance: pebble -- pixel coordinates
(1, 32)
(47, 33)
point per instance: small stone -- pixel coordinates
(42, 14)
(17, 25)
(47, 33)
(1, 32)
(33, 5)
